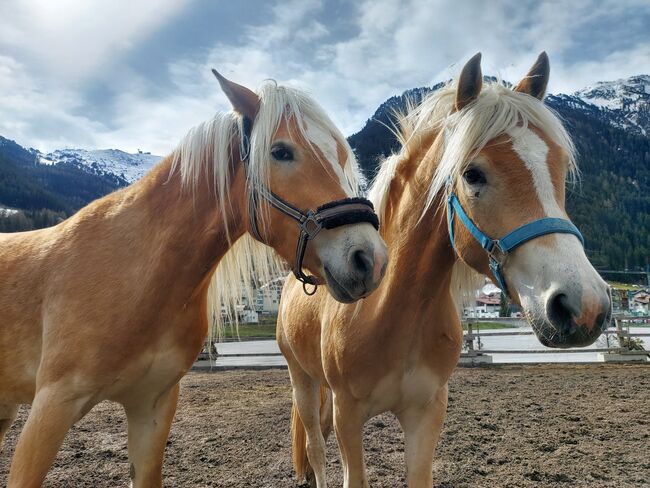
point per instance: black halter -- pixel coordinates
(328, 216)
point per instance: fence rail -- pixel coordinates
(621, 331)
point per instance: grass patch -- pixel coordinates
(488, 326)
(625, 286)
(251, 330)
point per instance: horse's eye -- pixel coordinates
(280, 152)
(474, 176)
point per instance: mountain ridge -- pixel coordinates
(609, 122)
(611, 205)
(127, 167)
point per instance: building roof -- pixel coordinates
(492, 299)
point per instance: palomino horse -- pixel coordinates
(488, 159)
(113, 302)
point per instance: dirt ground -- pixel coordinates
(515, 426)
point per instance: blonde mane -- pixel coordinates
(498, 110)
(207, 149)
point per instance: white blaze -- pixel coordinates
(326, 143)
(533, 151)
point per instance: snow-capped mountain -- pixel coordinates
(106, 162)
(610, 126)
(625, 102)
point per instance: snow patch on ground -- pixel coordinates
(6, 212)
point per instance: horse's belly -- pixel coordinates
(155, 370)
(20, 354)
(18, 369)
(20, 316)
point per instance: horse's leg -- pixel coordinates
(326, 426)
(348, 425)
(327, 415)
(422, 425)
(7, 416)
(55, 409)
(306, 394)
(149, 422)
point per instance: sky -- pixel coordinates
(135, 74)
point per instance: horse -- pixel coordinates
(115, 302)
(478, 161)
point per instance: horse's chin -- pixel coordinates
(549, 336)
(339, 292)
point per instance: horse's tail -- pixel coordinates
(299, 435)
(299, 444)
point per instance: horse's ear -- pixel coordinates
(470, 82)
(534, 83)
(243, 100)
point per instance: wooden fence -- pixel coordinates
(620, 329)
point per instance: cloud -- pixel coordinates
(71, 40)
(397, 45)
(71, 75)
(37, 115)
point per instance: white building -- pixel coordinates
(640, 303)
(485, 306)
(267, 299)
(250, 317)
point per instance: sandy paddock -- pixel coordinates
(514, 426)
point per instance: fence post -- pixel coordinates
(469, 340)
(624, 353)
(619, 334)
(473, 356)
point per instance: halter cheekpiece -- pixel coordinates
(328, 216)
(499, 249)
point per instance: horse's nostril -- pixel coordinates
(560, 314)
(602, 321)
(362, 262)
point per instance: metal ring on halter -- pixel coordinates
(328, 216)
(307, 292)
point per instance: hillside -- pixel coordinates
(611, 205)
(44, 194)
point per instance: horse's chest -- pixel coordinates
(400, 387)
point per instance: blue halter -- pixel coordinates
(498, 249)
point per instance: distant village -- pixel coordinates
(626, 299)
(265, 302)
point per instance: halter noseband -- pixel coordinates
(498, 249)
(328, 216)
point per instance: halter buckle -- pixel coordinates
(497, 255)
(311, 226)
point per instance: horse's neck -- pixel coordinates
(418, 277)
(183, 231)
